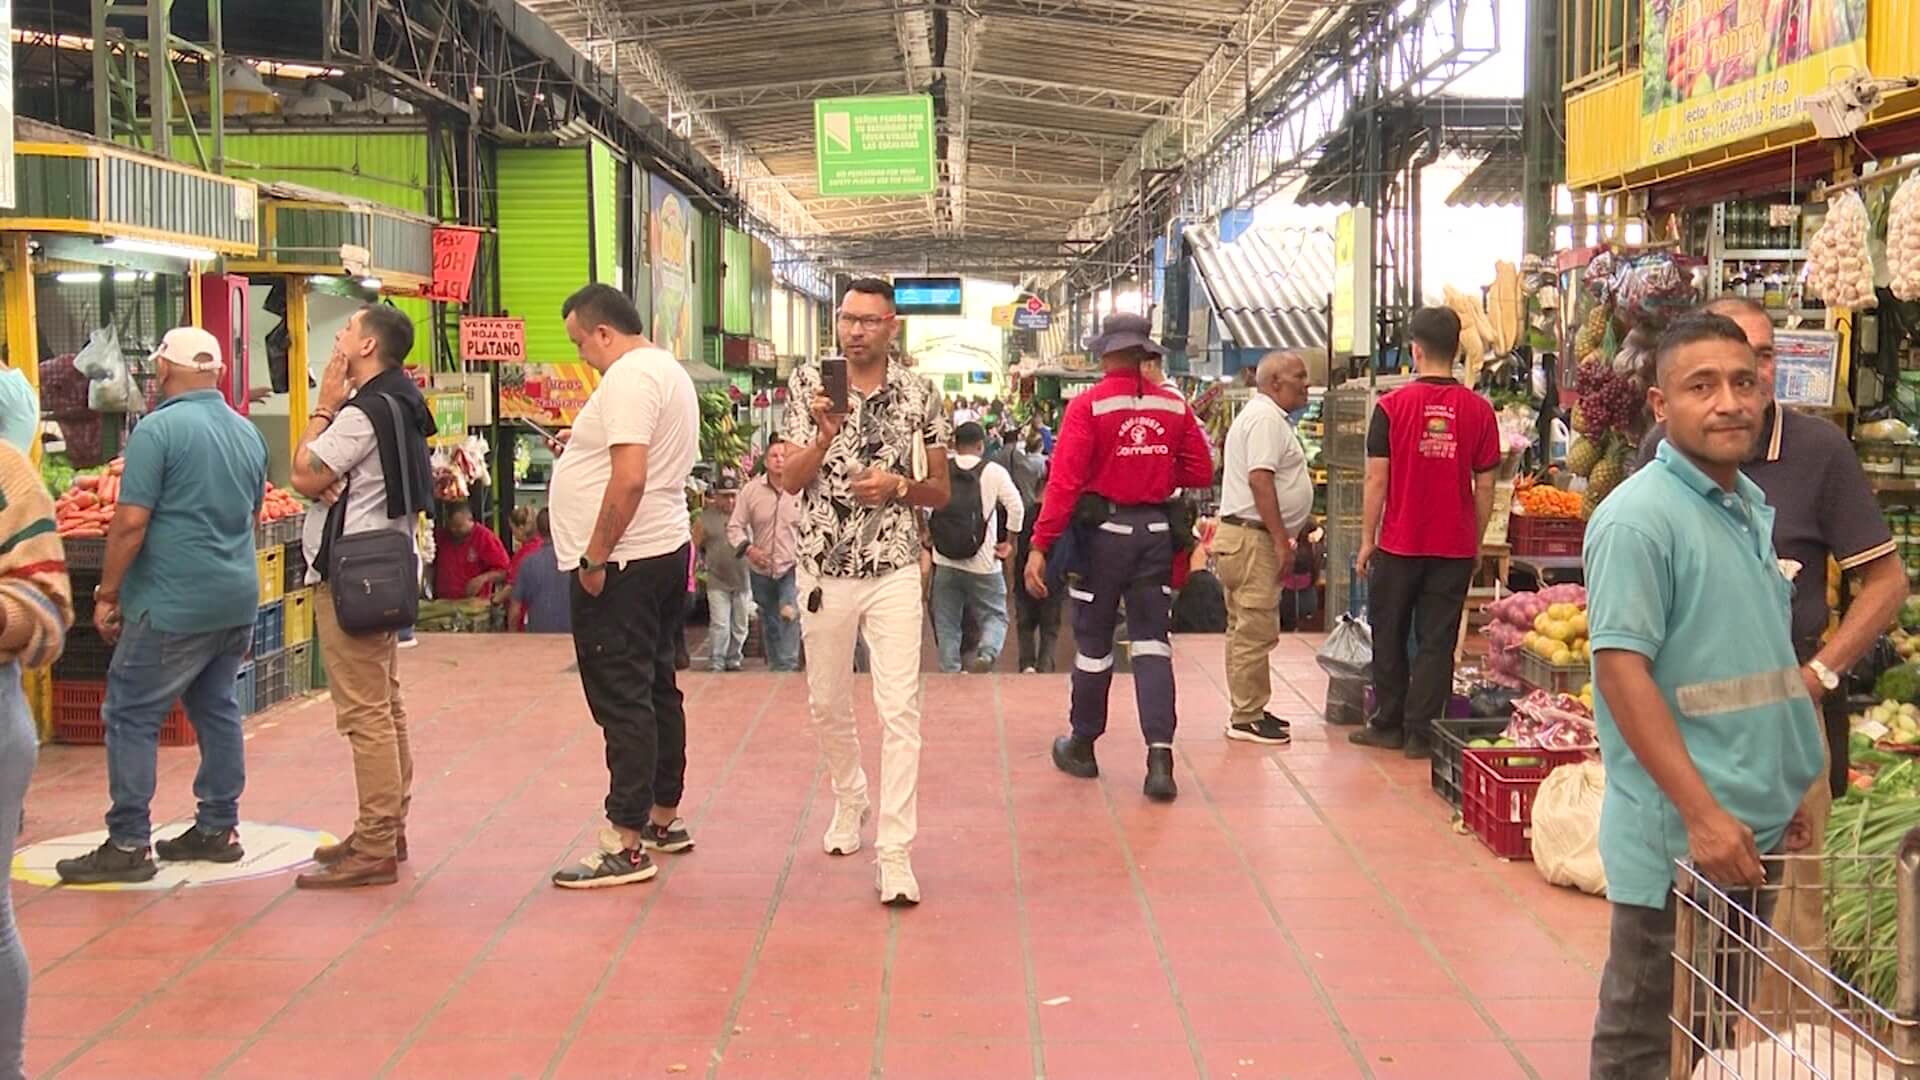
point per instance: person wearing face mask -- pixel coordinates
(178, 595)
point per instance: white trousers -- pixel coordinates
(888, 613)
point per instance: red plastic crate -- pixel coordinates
(1545, 537)
(1497, 789)
(77, 719)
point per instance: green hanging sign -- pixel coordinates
(449, 417)
(874, 145)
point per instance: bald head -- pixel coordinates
(1282, 376)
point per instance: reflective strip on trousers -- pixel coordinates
(1116, 527)
(1081, 595)
(1153, 648)
(1093, 665)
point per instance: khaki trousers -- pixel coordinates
(363, 674)
(1250, 573)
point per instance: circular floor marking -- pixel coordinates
(271, 849)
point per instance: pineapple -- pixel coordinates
(1592, 333)
(1589, 502)
(1606, 476)
(1583, 456)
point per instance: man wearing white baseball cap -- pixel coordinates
(178, 594)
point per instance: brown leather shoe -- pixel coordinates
(354, 870)
(329, 854)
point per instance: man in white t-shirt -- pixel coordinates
(983, 514)
(1266, 501)
(620, 526)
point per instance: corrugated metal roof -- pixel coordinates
(1269, 287)
(1497, 181)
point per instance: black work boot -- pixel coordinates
(1073, 755)
(1160, 786)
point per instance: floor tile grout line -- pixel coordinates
(1153, 928)
(1022, 916)
(420, 883)
(1400, 912)
(633, 932)
(885, 1009)
(413, 1036)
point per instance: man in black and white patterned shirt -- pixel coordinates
(865, 477)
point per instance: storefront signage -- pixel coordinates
(497, 341)
(1806, 367)
(874, 145)
(1353, 283)
(670, 230)
(550, 395)
(1003, 316)
(455, 250)
(1718, 71)
(449, 417)
(1033, 315)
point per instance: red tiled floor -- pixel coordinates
(1297, 912)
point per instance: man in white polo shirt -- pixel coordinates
(1266, 500)
(620, 525)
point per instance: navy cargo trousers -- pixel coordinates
(1128, 557)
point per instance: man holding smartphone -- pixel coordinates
(868, 442)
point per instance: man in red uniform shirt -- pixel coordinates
(1125, 446)
(1432, 449)
(468, 558)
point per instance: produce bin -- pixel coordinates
(1497, 789)
(83, 583)
(1546, 537)
(269, 629)
(271, 563)
(85, 554)
(1450, 739)
(295, 570)
(298, 621)
(300, 668)
(77, 719)
(272, 680)
(243, 689)
(1553, 678)
(86, 656)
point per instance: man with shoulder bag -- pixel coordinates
(364, 459)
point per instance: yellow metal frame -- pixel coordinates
(298, 363)
(100, 226)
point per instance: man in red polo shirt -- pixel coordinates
(468, 558)
(1432, 449)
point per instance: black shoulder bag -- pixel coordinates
(373, 574)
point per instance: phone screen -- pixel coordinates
(833, 381)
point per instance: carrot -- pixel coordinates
(87, 533)
(86, 483)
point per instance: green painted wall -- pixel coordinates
(737, 284)
(606, 212)
(545, 218)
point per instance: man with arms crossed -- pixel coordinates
(1706, 725)
(865, 476)
(619, 517)
(1266, 499)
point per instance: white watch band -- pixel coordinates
(1828, 678)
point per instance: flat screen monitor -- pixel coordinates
(926, 295)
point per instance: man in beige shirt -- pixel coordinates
(766, 519)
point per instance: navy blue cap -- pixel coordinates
(1121, 333)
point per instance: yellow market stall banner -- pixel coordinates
(1718, 71)
(550, 395)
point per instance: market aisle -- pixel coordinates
(1300, 913)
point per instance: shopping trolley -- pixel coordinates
(1750, 1005)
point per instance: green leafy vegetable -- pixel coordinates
(1863, 836)
(1901, 683)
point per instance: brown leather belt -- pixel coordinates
(1245, 523)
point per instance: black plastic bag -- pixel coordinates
(1348, 652)
(1492, 702)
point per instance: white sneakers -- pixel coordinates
(843, 835)
(893, 876)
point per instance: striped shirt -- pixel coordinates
(34, 592)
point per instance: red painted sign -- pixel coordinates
(455, 250)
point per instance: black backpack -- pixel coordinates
(959, 528)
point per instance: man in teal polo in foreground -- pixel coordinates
(1706, 726)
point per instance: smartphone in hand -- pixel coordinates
(833, 382)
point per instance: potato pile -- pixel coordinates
(1839, 266)
(1903, 241)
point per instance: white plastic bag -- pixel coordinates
(110, 386)
(1566, 827)
(1802, 1053)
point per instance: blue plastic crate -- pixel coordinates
(243, 689)
(269, 629)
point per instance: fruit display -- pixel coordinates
(84, 512)
(1839, 265)
(1891, 724)
(1551, 624)
(722, 440)
(1559, 635)
(1547, 501)
(1610, 404)
(1552, 722)
(1903, 241)
(280, 504)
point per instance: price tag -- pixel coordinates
(1872, 729)
(1781, 215)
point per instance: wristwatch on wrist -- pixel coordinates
(588, 566)
(900, 487)
(1828, 678)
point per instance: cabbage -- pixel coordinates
(1900, 684)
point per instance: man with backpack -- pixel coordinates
(970, 537)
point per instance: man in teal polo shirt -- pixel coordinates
(1706, 726)
(178, 594)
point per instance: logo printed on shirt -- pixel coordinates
(1136, 433)
(1438, 442)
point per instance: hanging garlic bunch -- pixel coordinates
(1903, 240)
(1839, 266)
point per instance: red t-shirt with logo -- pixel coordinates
(1435, 434)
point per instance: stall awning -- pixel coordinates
(1270, 287)
(1499, 180)
(67, 182)
(309, 231)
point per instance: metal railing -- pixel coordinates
(1750, 1005)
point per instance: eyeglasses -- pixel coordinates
(865, 322)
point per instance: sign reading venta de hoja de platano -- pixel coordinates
(874, 145)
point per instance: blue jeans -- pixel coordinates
(19, 746)
(782, 635)
(953, 592)
(151, 670)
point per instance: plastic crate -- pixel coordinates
(1450, 739)
(243, 689)
(271, 562)
(285, 531)
(272, 680)
(1497, 789)
(294, 572)
(298, 621)
(85, 554)
(1536, 672)
(1545, 537)
(300, 668)
(86, 657)
(269, 630)
(318, 680)
(77, 719)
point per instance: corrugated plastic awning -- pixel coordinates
(1270, 287)
(1497, 181)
